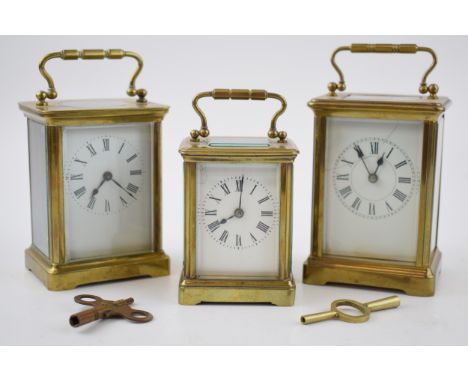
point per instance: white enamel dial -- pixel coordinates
(237, 219)
(239, 212)
(374, 177)
(372, 188)
(105, 174)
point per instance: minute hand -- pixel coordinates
(119, 185)
(241, 190)
(360, 154)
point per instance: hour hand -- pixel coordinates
(105, 177)
(224, 221)
(379, 163)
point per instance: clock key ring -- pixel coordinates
(103, 309)
(364, 308)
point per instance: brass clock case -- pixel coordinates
(279, 150)
(418, 278)
(54, 270)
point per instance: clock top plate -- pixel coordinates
(239, 147)
(93, 108)
(384, 102)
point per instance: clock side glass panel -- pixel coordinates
(437, 184)
(108, 193)
(237, 220)
(372, 188)
(39, 188)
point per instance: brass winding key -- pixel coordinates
(106, 309)
(364, 308)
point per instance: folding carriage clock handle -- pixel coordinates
(239, 94)
(89, 54)
(385, 48)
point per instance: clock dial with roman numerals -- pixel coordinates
(238, 212)
(105, 175)
(374, 178)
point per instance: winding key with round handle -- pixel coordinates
(364, 308)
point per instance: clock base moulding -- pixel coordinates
(413, 281)
(68, 276)
(277, 292)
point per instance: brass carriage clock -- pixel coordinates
(95, 183)
(238, 207)
(377, 166)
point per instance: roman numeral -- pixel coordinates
(240, 184)
(216, 199)
(210, 212)
(238, 240)
(399, 195)
(224, 236)
(402, 163)
(357, 203)
(263, 199)
(132, 188)
(214, 226)
(372, 209)
(76, 177)
(225, 188)
(267, 213)
(80, 161)
(105, 142)
(135, 172)
(91, 203)
(389, 207)
(374, 146)
(121, 147)
(80, 192)
(253, 237)
(347, 161)
(253, 189)
(342, 177)
(123, 201)
(402, 179)
(389, 152)
(107, 206)
(262, 226)
(91, 149)
(345, 192)
(131, 158)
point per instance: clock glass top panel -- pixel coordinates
(108, 176)
(372, 183)
(237, 220)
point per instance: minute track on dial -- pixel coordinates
(374, 191)
(238, 211)
(93, 168)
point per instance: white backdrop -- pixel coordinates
(176, 68)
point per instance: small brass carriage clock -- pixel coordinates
(95, 183)
(238, 207)
(377, 166)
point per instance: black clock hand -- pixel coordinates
(224, 221)
(241, 190)
(105, 177)
(379, 163)
(360, 154)
(119, 185)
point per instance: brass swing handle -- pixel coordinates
(89, 54)
(239, 94)
(385, 48)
